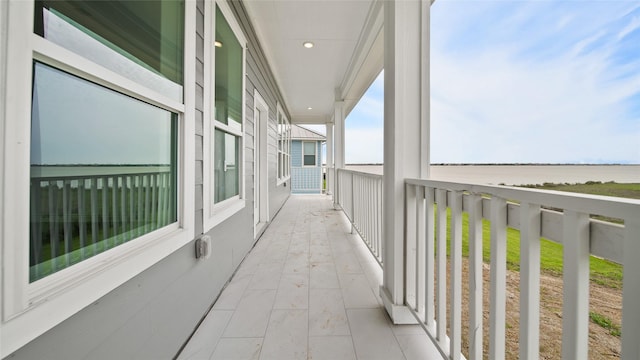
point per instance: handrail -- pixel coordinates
(568, 223)
(359, 195)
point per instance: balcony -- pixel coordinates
(308, 289)
(311, 286)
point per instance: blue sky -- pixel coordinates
(524, 81)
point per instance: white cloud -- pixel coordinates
(632, 26)
(364, 145)
(496, 105)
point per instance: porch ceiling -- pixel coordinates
(346, 57)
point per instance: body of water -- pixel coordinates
(59, 171)
(525, 174)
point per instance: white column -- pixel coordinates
(406, 142)
(338, 145)
(330, 170)
(338, 120)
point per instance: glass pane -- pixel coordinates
(309, 148)
(309, 160)
(226, 167)
(228, 73)
(142, 40)
(103, 170)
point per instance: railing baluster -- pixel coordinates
(132, 209)
(123, 210)
(147, 202)
(497, 313)
(475, 277)
(410, 246)
(421, 252)
(53, 221)
(575, 299)
(82, 219)
(115, 216)
(441, 270)
(66, 218)
(36, 225)
(529, 281)
(456, 275)
(140, 220)
(154, 201)
(430, 259)
(94, 214)
(105, 211)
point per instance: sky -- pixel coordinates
(523, 82)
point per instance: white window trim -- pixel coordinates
(315, 151)
(216, 213)
(30, 309)
(287, 146)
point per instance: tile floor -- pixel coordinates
(308, 290)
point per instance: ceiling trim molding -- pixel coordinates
(365, 50)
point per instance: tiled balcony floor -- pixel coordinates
(308, 290)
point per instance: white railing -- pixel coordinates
(359, 195)
(524, 209)
(74, 217)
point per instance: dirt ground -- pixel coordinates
(604, 301)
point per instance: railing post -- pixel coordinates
(529, 281)
(631, 290)
(455, 349)
(575, 274)
(475, 278)
(497, 313)
(441, 268)
(430, 259)
(410, 244)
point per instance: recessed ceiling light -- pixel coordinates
(218, 43)
(309, 108)
(307, 44)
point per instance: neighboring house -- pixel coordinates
(306, 161)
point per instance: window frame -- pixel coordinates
(315, 153)
(30, 309)
(216, 213)
(284, 153)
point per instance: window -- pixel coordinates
(309, 151)
(224, 109)
(284, 147)
(142, 40)
(101, 175)
(99, 128)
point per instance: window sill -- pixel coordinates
(223, 211)
(283, 180)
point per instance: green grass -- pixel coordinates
(606, 323)
(631, 191)
(602, 271)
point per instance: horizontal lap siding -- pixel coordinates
(153, 315)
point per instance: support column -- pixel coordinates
(338, 141)
(330, 169)
(406, 134)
